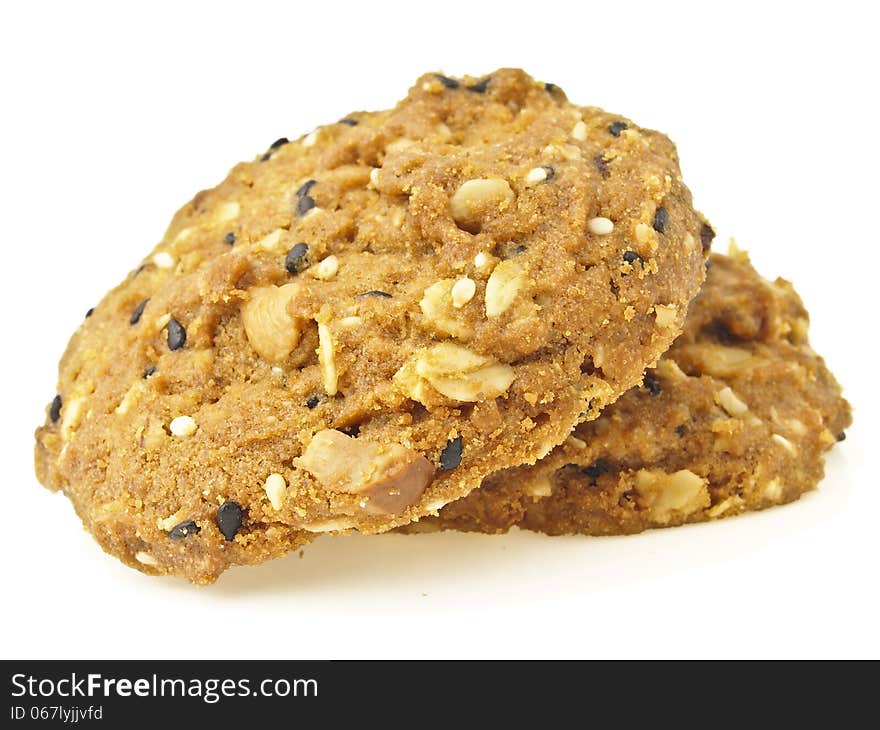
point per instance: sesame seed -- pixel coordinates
(229, 238)
(579, 131)
(163, 260)
(462, 292)
(536, 175)
(176, 335)
(373, 293)
(55, 409)
(312, 402)
(295, 261)
(595, 470)
(480, 86)
(138, 311)
(310, 139)
(707, 235)
(841, 436)
(652, 385)
(183, 426)
(349, 122)
(631, 257)
(90, 312)
(145, 558)
(304, 189)
(600, 226)
(150, 370)
(229, 519)
(615, 128)
(481, 260)
(601, 165)
(184, 529)
(374, 177)
(661, 219)
(450, 457)
(785, 443)
(446, 81)
(275, 488)
(280, 142)
(304, 205)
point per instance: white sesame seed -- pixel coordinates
(145, 558)
(536, 175)
(481, 260)
(325, 269)
(600, 226)
(276, 488)
(310, 139)
(227, 212)
(785, 443)
(183, 426)
(163, 260)
(579, 132)
(462, 292)
(731, 403)
(374, 177)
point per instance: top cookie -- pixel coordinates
(357, 327)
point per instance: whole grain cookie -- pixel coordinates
(735, 417)
(357, 327)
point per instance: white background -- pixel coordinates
(114, 115)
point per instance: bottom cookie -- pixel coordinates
(736, 416)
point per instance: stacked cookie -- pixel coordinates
(438, 315)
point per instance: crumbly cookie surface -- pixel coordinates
(357, 327)
(735, 417)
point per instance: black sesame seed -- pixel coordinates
(304, 205)
(551, 172)
(150, 370)
(550, 88)
(615, 128)
(373, 293)
(601, 165)
(229, 519)
(354, 430)
(349, 121)
(280, 142)
(55, 409)
(707, 235)
(446, 81)
(138, 311)
(652, 385)
(480, 86)
(595, 470)
(176, 335)
(681, 429)
(90, 312)
(312, 402)
(266, 156)
(229, 238)
(450, 457)
(661, 219)
(295, 260)
(305, 188)
(631, 257)
(841, 436)
(184, 529)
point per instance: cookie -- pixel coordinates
(735, 417)
(357, 327)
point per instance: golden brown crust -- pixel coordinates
(736, 417)
(452, 283)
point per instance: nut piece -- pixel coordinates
(183, 426)
(327, 360)
(477, 199)
(437, 305)
(504, 284)
(720, 361)
(665, 314)
(579, 131)
(271, 328)
(276, 489)
(668, 497)
(145, 558)
(389, 476)
(455, 372)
